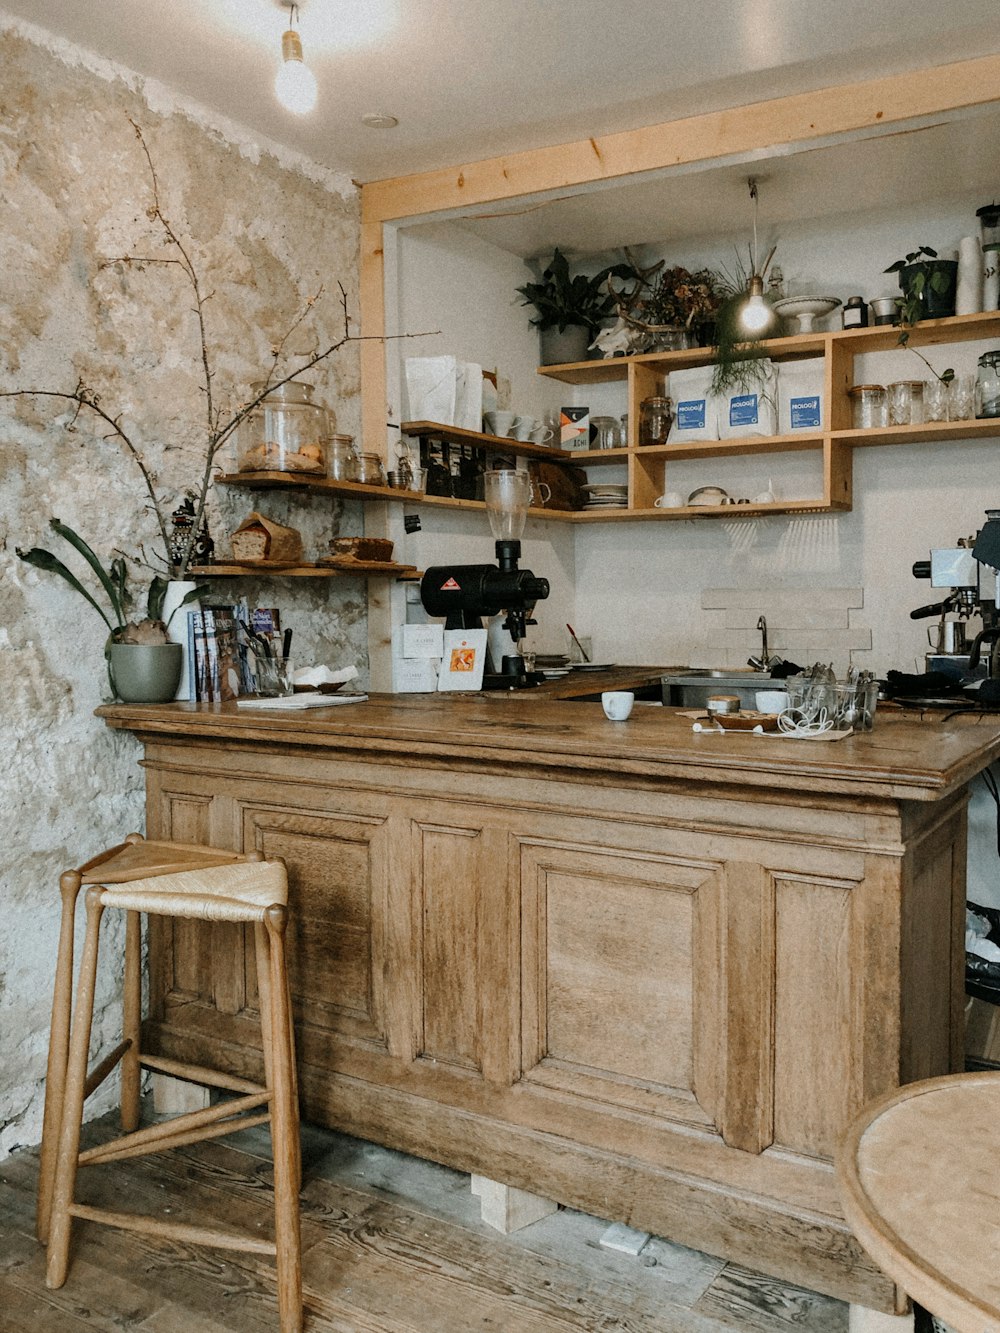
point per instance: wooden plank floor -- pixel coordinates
(391, 1245)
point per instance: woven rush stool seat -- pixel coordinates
(178, 880)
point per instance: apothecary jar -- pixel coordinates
(655, 419)
(286, 432)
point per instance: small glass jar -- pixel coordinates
(906, 403)
(655, 419)
(988, 384)
(604, 433)
(370, 470)
(868, 407)
(342, 458)
(285, 432)
(855, 313)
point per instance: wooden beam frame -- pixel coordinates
(759, 128)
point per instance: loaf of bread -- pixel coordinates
(362, 548)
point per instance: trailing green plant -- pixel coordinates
(562, 300)
(112, 589)
(739, 356)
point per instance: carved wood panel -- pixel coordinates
(338, 887)
(590, 919)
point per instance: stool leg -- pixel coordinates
(132, 999)
(55, 1077)
(284, 1133)
(72, 1110)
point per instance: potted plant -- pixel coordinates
(144, 666)
(570, 309)
(928, 285)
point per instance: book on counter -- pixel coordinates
(221, 662)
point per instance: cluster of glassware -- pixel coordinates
(819, 702)
(912, 402)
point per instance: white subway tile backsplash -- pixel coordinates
(804, 625)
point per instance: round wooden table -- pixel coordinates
(920, 1177)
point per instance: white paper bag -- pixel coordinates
(431, 386)
(800, 396)
(468, 396)
(696, 415)
(753, 411)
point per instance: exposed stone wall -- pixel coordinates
(266, 235)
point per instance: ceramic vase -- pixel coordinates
(145, 673)
(177, 590)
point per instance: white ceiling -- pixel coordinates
(476, 78)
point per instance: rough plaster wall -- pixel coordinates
(265, 237)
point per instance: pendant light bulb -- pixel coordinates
(756, 314)
(295, 83)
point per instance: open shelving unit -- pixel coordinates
(648, 466)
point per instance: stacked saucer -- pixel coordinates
(552, 665)
(606, 496)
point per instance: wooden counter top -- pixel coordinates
(902, 758)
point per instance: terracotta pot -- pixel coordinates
(145, 673)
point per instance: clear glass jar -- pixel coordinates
(988, 385)
(285, 432)
(868, 407)
(656, 416)
(342, 458)
(370, 470)
(605, 433)
(906, 403)
(936, 400)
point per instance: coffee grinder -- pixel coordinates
(464, 594)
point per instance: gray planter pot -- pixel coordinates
(146, 673)
(561, 346)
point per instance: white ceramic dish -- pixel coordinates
(806, 309)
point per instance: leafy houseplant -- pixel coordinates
(581, 303)
(928, 286)
(149, 633)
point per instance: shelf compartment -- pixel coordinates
(928, 333)
(749, 444)
(815, 506)
(229, 569)
(615, 368)
(501, 444)
(290, 481)
(446, 502)
(928, 432)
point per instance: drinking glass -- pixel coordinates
(962, 398)
(936, 400)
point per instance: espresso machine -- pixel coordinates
(969, 573)
(464, 594)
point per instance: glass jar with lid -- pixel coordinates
(868, 407)
(370, 470)
(656, 416)
(988, 384)
(286, 432)
(342, 458)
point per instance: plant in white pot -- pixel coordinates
(144, 666)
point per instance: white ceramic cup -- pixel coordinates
(669, 500)
(771, 701)
(617, 704)
(522, 428)
(499, 423)
(541, 434)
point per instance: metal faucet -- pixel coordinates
(763, 662)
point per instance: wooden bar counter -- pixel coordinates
(645, 972)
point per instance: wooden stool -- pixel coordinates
(918, 1179)
(178, 880)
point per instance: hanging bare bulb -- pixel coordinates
(295, 83)
(756, 314)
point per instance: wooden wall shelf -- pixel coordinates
(367, 569)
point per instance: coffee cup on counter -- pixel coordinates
(617, 704)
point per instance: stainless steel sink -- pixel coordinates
(690, 689)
